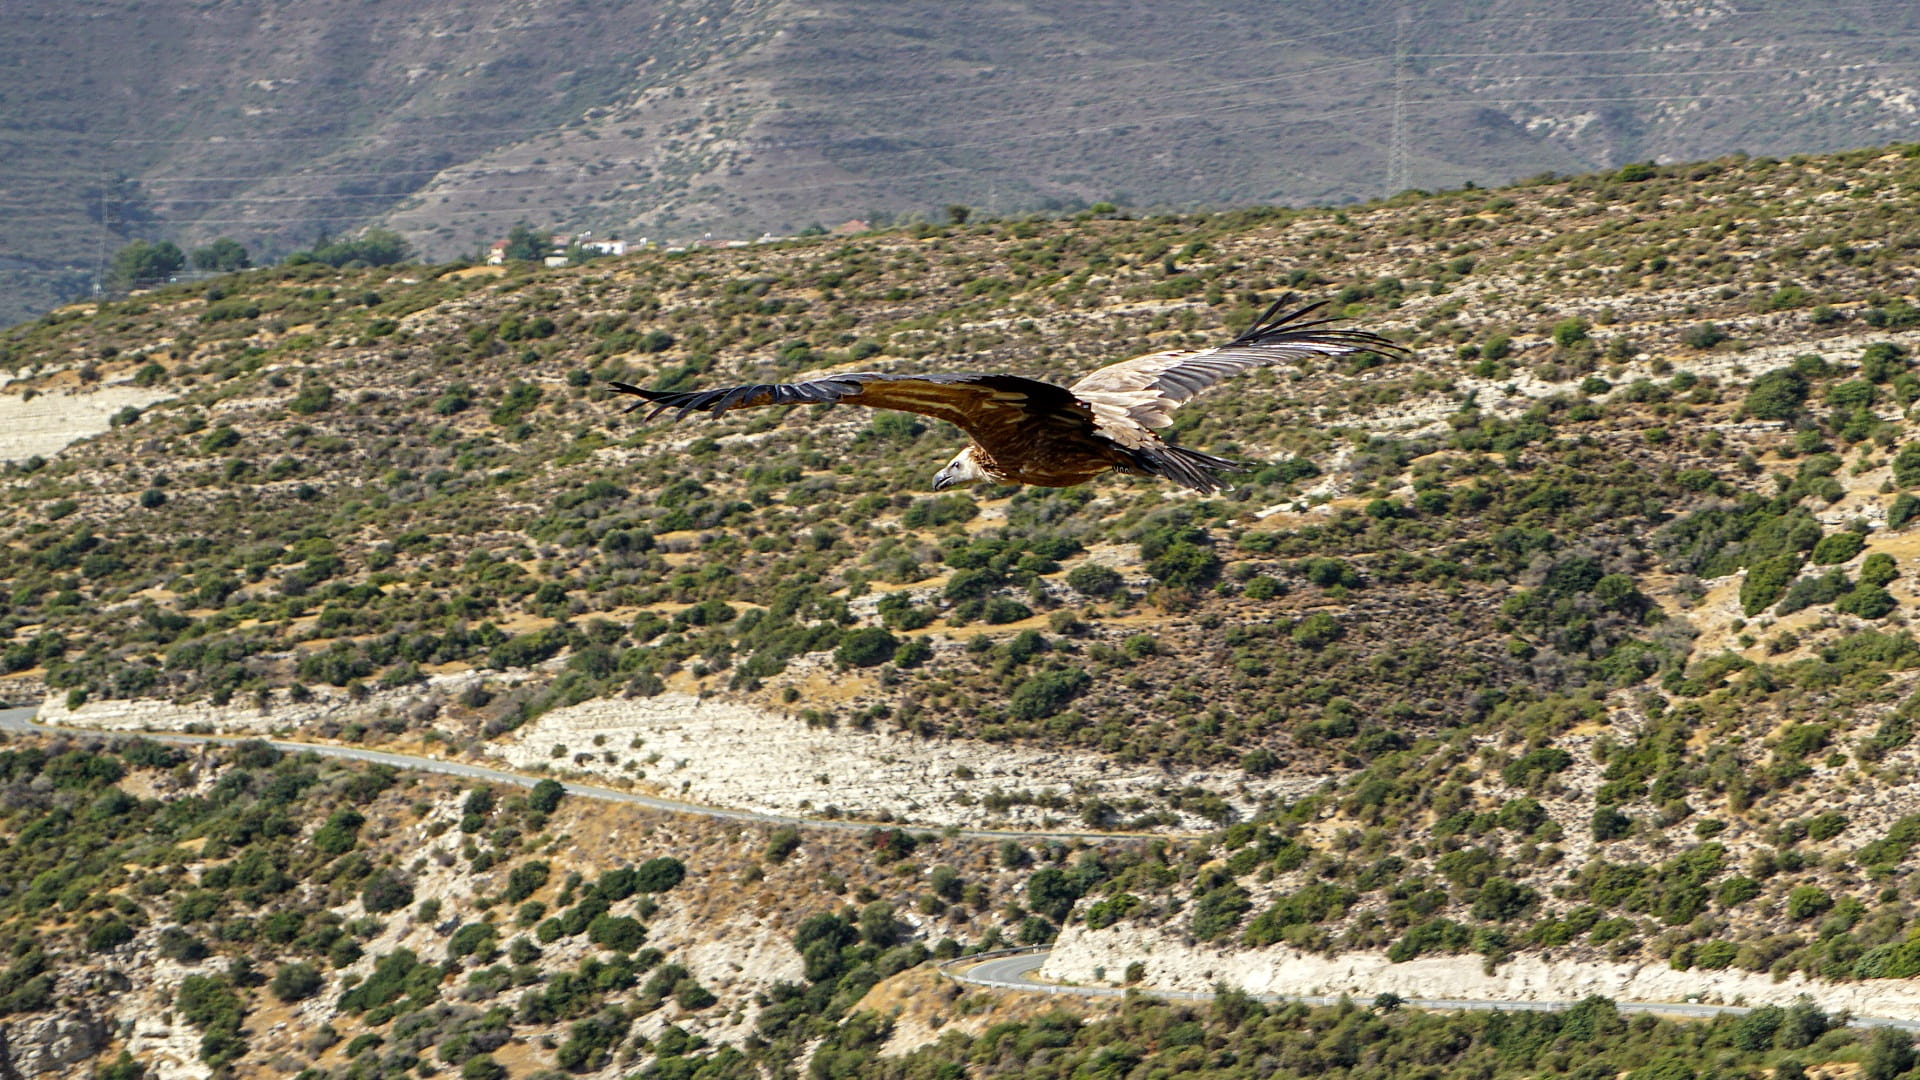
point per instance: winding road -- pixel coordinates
(20, 721)
(1012, 969)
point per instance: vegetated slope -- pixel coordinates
(171, 910)
(264, 914)
(1593, 609)
(280, 123)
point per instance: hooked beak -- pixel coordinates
(943, 480)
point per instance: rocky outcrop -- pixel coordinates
(1171, 962)
(43, 424)
(324, 712)
(732, 754)
(46, 1046)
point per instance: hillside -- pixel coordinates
(280, 124)
(1582, 634)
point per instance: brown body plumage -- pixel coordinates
(1026, 431)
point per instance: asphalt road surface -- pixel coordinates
(1015, 971)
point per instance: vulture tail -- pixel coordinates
(1188, 468)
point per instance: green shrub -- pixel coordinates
(1218, 910)
(1185, 565)
(866, 647)
(476, 939)
(659, 875)
(1314, 903)
(314, 397)
(1530, 768)
(1808, 901)
(1105, 913)
(1609, 823)
(1094, 579)
(1263, 587)
(386, 891)
(617, 932)
(1570, 332)
(110, 934)
(1866, 602)
(1047, 693)
(296, 981)
(1878, 569)
(1000, 610)
(1766, 582)
(546, 795)
(1316, 631)
(1826, 826)
(524, 880)
(1838, 548)
(1776, 395)
(1906, 465)
(1703, 335)
(783, 842)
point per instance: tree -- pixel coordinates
(223, 256)
(878, 925)
(525, 245)
(374, 247)
(958, 214)
(140, 264)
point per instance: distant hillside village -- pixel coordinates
(566, 249)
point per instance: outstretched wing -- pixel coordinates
(990, 408)
(1134, 397)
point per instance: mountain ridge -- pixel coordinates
(673, 120)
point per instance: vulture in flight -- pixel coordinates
(1026, 431)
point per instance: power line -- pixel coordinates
(1397, 141)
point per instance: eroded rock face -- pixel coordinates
(48, 1045)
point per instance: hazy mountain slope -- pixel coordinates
(278, 123)
(274, 122)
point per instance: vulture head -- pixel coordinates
(963, 469)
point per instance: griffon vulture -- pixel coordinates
(1026, 431)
